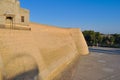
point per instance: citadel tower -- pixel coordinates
(12, 15)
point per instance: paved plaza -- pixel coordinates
(100, 64)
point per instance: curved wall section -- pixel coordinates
(47, 48)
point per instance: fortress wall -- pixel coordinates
(79, 41)
(50, 49)
(11, 8)
(25, 13)
(1, 68)
(56, 46)
(59, 45)
(17, 48)
(1, 75)
(4, 10)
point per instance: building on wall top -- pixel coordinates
(12, 15)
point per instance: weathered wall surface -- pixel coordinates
(46, 48)
(17, 52)
(25, 13)
(1, 68)
(79, 40)
(12, 7)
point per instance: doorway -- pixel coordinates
(9, 22)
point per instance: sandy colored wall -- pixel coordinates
(3, 3)
(14, 9)
(25, 13)
(46, 48)
(1, 68)
(79, 40)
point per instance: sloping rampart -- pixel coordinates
(46, 48)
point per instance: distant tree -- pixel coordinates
(90, 37)
(108, 40)
(104, 41)
(111, 40)
(117, 38)
(96, 38)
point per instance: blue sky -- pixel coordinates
(98, 15)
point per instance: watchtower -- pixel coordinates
(12, 15)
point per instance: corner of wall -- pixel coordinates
(79, 40)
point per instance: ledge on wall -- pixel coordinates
(17, 27)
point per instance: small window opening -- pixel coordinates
(22, 19)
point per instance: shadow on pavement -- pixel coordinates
(110, 51)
